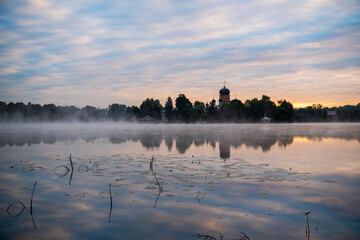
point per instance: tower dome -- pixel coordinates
(224, 91)
(224, 95)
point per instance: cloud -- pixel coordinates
(100, 53)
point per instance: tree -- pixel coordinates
(284, 112)
(254, 109)
(169, 109)
(211, 113)
(117, 111)
(183, 108)
(134, 111)
(197, 112)
(237, 109)
(268, 106)
(151, 107)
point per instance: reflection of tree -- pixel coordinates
(151, 141)
(264, 143)
(199, 140)
(169, 142)
(211, 142)
(254, 136)
(285, 141)
(116, 138)
(183, 142)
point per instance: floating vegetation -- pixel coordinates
(95, 167)
(203, 236)
(12, 206)
(83, 168)
(243, 236)
(61, 170)
(11, 210)
(27, 169)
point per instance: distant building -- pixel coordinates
(331, 115)
(147, 119)
(265, 119)
(224, 96)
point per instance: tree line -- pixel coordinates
(181, 110)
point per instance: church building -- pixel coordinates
(224, 97)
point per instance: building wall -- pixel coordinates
(225, 99)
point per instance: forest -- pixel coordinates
(181, 110)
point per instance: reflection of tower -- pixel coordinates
(224, 147)
(224, 95)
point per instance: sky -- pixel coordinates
(84, 52)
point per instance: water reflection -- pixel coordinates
(123, 185)
(184, 136)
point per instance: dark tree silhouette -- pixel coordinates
(183, 108)
(169, 109)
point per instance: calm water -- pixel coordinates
(177, 181)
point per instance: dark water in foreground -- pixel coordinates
(204, 179)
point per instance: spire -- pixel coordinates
(224, 83)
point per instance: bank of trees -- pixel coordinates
(179, 110)
(250, 111)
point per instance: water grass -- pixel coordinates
(307, 229)
(72, 169)
(111, 202)
(160, 188)
(31, 205)
(197, 197)
(151, 163)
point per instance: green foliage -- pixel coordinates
(117, 112)
(183, 108)
(252, 111)
(198, 111)
(284, 112)
(310, 114)
(211, 113)
(169, 109)
(134, 110)
(151, 107)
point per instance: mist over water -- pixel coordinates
(173, 181)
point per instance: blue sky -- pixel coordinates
(97, 53)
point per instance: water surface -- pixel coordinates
(129, 181)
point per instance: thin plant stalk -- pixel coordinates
(110, 202)
(72, 169)
(31, 205)
(308, 227)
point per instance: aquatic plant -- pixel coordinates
(31, 205)
(111, 202)
(307, 229)
(209, 237)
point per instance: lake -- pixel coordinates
(186, 181)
